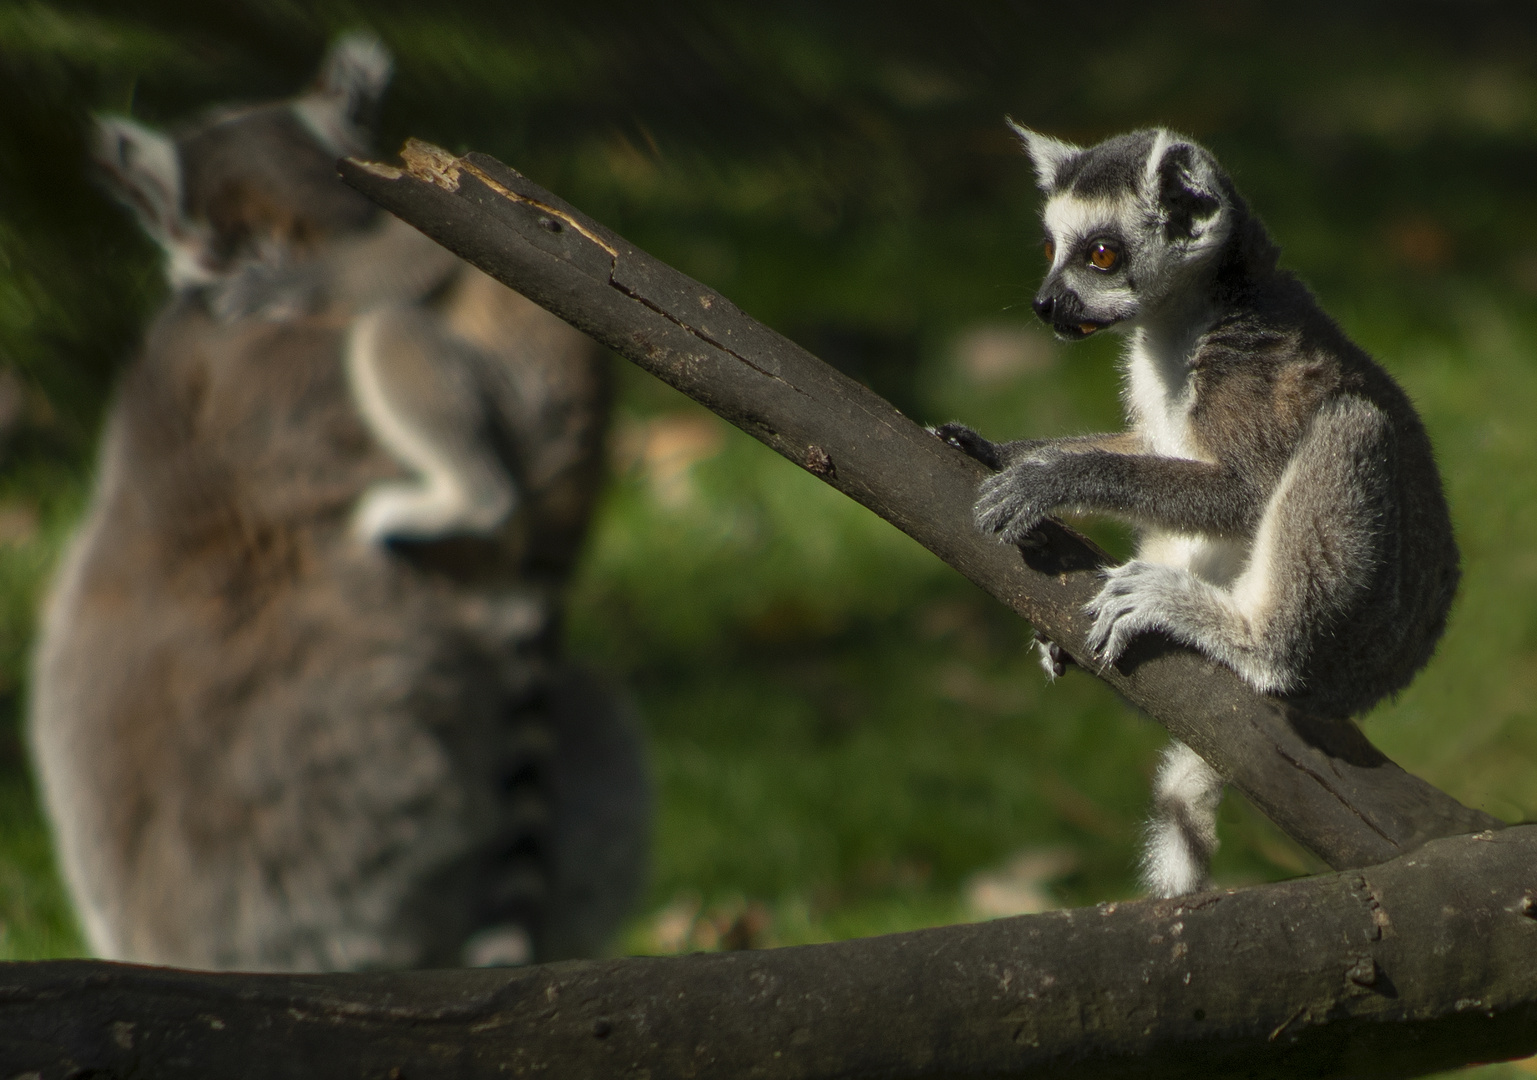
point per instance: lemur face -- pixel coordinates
(1127, 222)
(254, 184)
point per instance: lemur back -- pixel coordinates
(276, 729)
(1291, 518)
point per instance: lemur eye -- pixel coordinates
(1051, 251)
(1104, 256)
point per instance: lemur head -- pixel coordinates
(1134, 227)
(251, 184)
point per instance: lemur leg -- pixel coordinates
(1315, 550)
(417, 390)
(1182, 835)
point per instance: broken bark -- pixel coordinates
(1421, 964)
(1321, 781)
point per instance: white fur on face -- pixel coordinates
(1070, 219)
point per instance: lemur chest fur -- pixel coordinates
(1160, 393)
(1160, 396)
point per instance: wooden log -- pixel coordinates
(1421, 964)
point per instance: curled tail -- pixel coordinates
(1182, 835)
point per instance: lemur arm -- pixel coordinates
(1107, 474)
(1177, 494)
(998, 456)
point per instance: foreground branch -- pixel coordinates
(1322, 782)
(1420, 964)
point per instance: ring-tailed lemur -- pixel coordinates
(298, 700)
(1291, 518)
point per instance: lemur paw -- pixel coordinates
(1012, 504)
(970, 443)
(1133, 601)
(1053, 659)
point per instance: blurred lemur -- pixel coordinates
(298, 700)
(1291, 518)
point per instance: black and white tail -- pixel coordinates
(1182, 835)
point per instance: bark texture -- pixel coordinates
(1322, 782)
(1423, 963)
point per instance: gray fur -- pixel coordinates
(1291, 518)
(1048, 155)
(265, 741)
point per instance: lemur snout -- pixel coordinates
(1044, 305)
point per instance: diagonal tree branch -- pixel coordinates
(1417, 965)
(1322, 782)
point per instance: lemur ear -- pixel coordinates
(1048, 155)
(143, 170)
(343, 105)
(1185, 183)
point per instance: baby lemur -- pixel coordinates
(298, 700)
(1290, 515)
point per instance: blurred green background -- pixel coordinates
(848, 737)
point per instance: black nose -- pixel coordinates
(1043, 307)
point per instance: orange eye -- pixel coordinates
(1051, 251)
(1104, 257)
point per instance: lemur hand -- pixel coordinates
(964, 439)
(1013, 503)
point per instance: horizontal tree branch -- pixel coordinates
(1417, 965)
(1322, 782)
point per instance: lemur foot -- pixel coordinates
(1130, 603)
(1054, 660)
(970, 443)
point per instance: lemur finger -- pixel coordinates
(1111, 633)
(1107, 608)
(970, 443)
(1021, 531)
